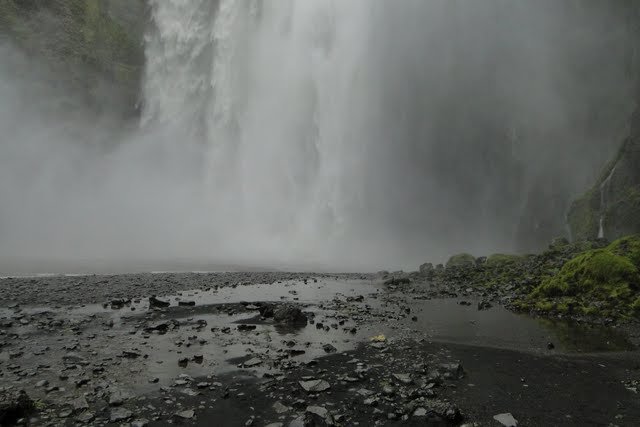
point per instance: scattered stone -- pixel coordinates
(86, 417)
(328, 348)
(280, 408)
(120, 414)
(118, 397)
(507, 420)
(315, 386)
(403, 378)
(185, 415)
(255, 361)
(80, 404)
(484, 305)
(157, 303)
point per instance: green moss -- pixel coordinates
(461, 260)
(497, 260)
(628, 247)
(601, 281)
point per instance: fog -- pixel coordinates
(316, 135)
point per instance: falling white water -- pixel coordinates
(268, 88)
(604, 188)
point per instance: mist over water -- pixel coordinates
(316, 134)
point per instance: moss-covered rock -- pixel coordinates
(497, 260)
(461, 260)
(602, 281)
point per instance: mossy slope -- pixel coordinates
(600, 281)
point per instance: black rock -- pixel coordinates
(157, 303)
(266, 310)
(13, 406)
(484, 305)
(328, 348)
(290, 315)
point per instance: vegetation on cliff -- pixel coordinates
(89, 44)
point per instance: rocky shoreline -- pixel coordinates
(300, 350)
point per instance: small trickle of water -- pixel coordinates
(604, 187)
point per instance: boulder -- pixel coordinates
(13, 406)
(290, 315)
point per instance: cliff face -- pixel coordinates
(91, 47)
(611, 208)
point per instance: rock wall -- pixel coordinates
(611, 208)
(93, 48)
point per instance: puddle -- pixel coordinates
(350, 313)
(447, 320)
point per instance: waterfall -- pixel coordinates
(604, 188)
(268, 89)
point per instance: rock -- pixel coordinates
(319, 416)
(317, 410)
(299, 422)
(506, 420)
(484, 305)
(118, 397)
(395, 281)
(131, 354)
(420, 412)
(427, 269)
(185, 415)
(13, 406)
(314, 386)
(163, 327)
(65, 413)
(328, 348)
(454, 370)
(186, 303)
(120, 414)
(266, 310)
(80, 404)
(388, 390)
(157, 303)
(461, 261)
(255, 361)
(403, 378)
(289, 315)
(86, 417)
(280, 408)
(550, 346)
(142, 422)
(246, 328)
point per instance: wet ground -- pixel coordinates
(100, 353)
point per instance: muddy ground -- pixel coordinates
(269, 349)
